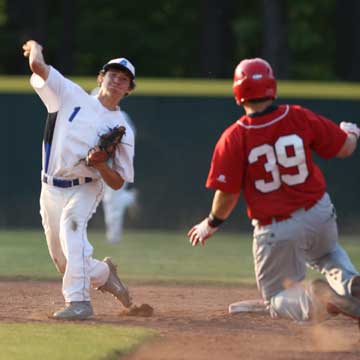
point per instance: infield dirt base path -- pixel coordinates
(193, 323)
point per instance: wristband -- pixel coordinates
(213, 221)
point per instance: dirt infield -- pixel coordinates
(193, 323)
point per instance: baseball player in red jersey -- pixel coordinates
(267, 155)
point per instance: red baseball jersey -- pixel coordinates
(269, 157)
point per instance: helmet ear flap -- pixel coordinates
(254, 79)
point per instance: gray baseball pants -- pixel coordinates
(283, 249)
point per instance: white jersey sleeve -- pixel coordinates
(51, 90)
(124, 156)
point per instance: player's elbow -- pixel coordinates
(348, 148)
(344, 153)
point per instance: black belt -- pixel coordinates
(65, 183)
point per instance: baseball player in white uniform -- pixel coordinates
(71, 190)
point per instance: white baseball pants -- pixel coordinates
(282, 250)
(65, 214)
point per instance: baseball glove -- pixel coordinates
(106, 146)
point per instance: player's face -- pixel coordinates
(116, 82)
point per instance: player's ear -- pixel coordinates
(131, 87)
(100, 78)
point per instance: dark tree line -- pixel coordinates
(185, 38)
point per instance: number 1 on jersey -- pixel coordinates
(74, 113)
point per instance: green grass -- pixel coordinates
(143, 256)
(150, 256)
(147, 256)
(68, 341)
(205, 87)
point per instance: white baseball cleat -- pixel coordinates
(75, 310)
(115, 286)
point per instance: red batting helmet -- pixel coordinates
(254, 79)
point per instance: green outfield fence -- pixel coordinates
(176, 133)
(206, 87)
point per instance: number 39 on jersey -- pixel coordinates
(276, 155)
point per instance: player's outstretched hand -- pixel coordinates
(27, 47)
(350, 128)
(201, 232)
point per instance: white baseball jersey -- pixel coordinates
(75, 122)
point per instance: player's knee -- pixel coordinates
(292, 303)
(278, 306)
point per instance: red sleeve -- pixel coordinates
(328, 138)
(227, 165)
